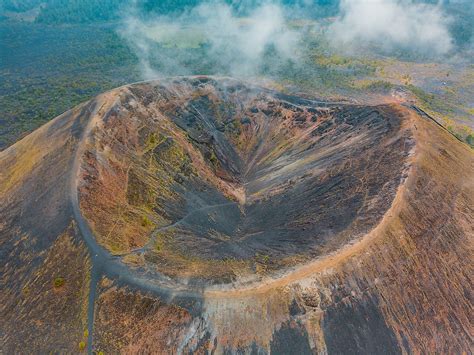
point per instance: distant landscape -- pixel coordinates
(236, 176)
(59, 53)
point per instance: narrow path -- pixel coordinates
(112, 267)
(96, 274)
(105, 264)
(182, 220)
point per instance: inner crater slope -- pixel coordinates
(212, 180)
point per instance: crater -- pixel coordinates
(214, 180)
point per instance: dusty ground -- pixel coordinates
(371, 252)
(206, 179)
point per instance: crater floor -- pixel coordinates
(213, 180)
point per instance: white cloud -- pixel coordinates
(237, 43)
(391, 24)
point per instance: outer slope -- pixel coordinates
(404, 285)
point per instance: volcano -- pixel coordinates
(205, 214)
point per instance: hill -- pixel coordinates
(206, 214)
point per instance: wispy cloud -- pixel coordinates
(235, 44)
(214, 38)
(392, 24)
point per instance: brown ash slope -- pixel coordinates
(198, 176)
(207, 215)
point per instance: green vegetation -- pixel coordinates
(470, 140)
(58, 282)
(82, 345)
(46, 71)
(163, 240)
(262, 263)
(90, 11)
(262, 258)
(152, 140)
(146, 221)
(429, 101)
(443, 110)
(213, 159)
(379, 86)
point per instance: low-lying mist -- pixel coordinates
(392, 25)
(211, 37)
(269, 38)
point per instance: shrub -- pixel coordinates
(213, 158)
(380, 85)
(470, 140)
(58, 282)
(82, 345)
(146, 221)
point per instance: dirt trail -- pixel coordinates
(112, 266)
(104, 264)
(175, 224)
